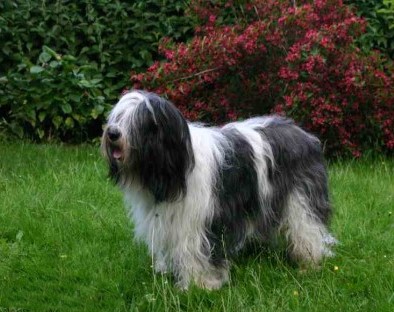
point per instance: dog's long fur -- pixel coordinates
(197, 194)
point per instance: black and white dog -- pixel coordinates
(197, 194)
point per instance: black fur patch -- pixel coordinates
(162, 149)
(237, 198)
(298, 164)
(114, 173)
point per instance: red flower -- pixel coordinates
(302, 62)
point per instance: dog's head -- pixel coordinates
(147, 140)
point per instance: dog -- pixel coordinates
(198, 194)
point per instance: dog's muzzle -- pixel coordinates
(113, 134)
(115, 145)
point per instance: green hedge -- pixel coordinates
(64, 95)
(105, 39)
(380, 29)
(54, 99)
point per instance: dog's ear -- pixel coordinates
(165, 155)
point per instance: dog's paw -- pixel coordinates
(204, 283)
(210, 284)
(182, 285)
(161, 267)
(330, 240)
(213, 281)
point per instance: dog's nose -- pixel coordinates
(113, 134)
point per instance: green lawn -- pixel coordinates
(66, 245)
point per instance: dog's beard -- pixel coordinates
(117, 158)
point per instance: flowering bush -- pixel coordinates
(300, 61)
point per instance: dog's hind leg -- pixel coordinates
(307, 236)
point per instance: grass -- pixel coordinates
(66, 245)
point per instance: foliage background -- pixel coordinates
(380, 28)
(64, 63)
(308, 61)
(99, 43)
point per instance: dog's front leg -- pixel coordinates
(197, 269)
(161, 263)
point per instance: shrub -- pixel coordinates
(295, 60)
(114, 34)
(380, 28)
(55, 99)
(105, 37)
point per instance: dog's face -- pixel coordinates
(120, 136)
(147, 140)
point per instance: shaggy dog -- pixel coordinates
(197, 194)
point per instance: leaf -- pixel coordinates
(6, 50)
(78, 117)
(69, 58)
(146, 55)
(75, 97)
(84, 49)
(51, 52)
(85, 84)
(21, 66)
(44, 57)
(97, 111)
(100, 99)
(40, 133)
(66, 108)
(57, 121)
(30, 115)
(95, 81)
(17, 129)
(54, 64)
(36, 69)
(41, 116)
(69, 122)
